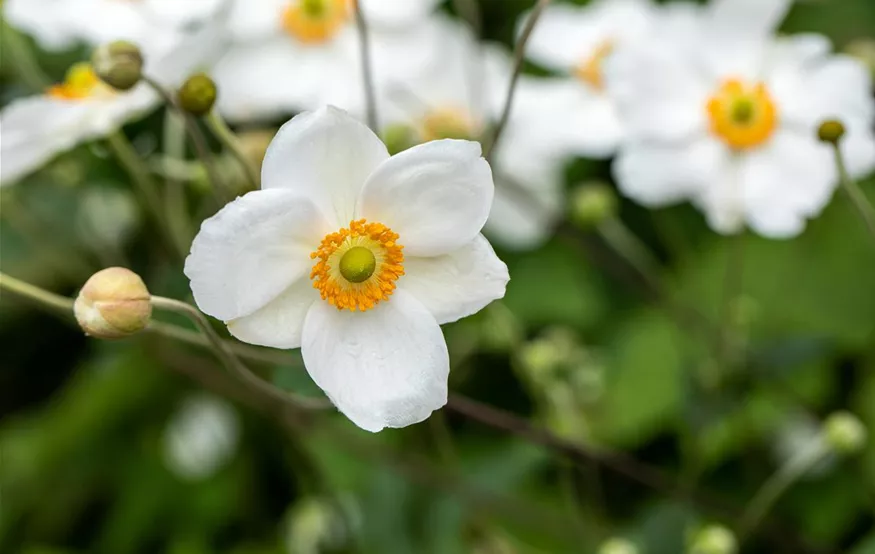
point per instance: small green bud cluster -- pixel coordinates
(714, 539)
(197, 95)
(618, 546)
(592, 203)
(119, 64)
(845, 433)
(831, 131)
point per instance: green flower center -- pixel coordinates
(358, 264)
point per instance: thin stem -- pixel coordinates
(174, 192)
(620, 238)
(229, 140)
(198, 140)
(39, 296)
(367, 66)
(733, 284)
(22, 58)
(519, 58)
(855, 193)
(230, 359)
(778, 483)
(139, 173)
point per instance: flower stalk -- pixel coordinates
(229, 140)
(854, 192)
(367, 66)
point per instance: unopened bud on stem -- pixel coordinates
(119, 64)
(617, 546)
(831, 131)
(714, 539)
(845, 433)
(113, 304)
(592, 203)
(197, 95)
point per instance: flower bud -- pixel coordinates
(831, 131)
(197, 95)
(618, 546)
(398, 138)
(113, 304)
(119, 64)
(845, 433)
(592, 203)
(714, 539)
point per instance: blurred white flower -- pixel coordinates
(459, 93)
(720, 113)
(61, 24)
(82, 108)
(292, 55)
(356, 257)
(578, 111)
(201, 438)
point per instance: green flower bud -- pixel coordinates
(831, 131)
(845, 433)
(399, 137)
(113, 304)
(714, 539)
(618, 546)
(592, 203)
(197, 95)
(119, 64)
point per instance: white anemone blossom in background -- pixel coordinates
(83, 108)
(578, 113)
(201, 437)
(721, 113)
(459, 94)
(357, 258)
(292, 55)
(63, 24)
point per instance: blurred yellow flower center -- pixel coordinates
(81, 82)
(742, 115)
(315, 21)
(357, 266)
(446, 123)
(591, 70)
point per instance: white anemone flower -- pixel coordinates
(578, 112)
(460, 94)
(62, 24)
(201, 437)
(357, 258)
(721, 113)
(83, 108)
(292, 55)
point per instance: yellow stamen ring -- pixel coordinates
(80, 82)
(315, 21)
(357, 267)
(741, 115)
(591, 70)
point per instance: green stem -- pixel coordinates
(141, 176)
(40, 296)
(620, 238)
(855, 193)
(778, 484)
(22, 59)
(230, 359)
(367, 67)
(174, 192)
(229, 140)
(198, 140)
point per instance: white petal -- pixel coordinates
(746, 19)
(37, 128)
(515, 223)
(392, 13)
(256, 20)
(280, 323)
(44, 19)
(252, 250)
(785, 182)
(325, 155)
(436, 196)
(386, 367)
(458, 284)
(654, 174)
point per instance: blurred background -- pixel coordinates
(114, 447)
